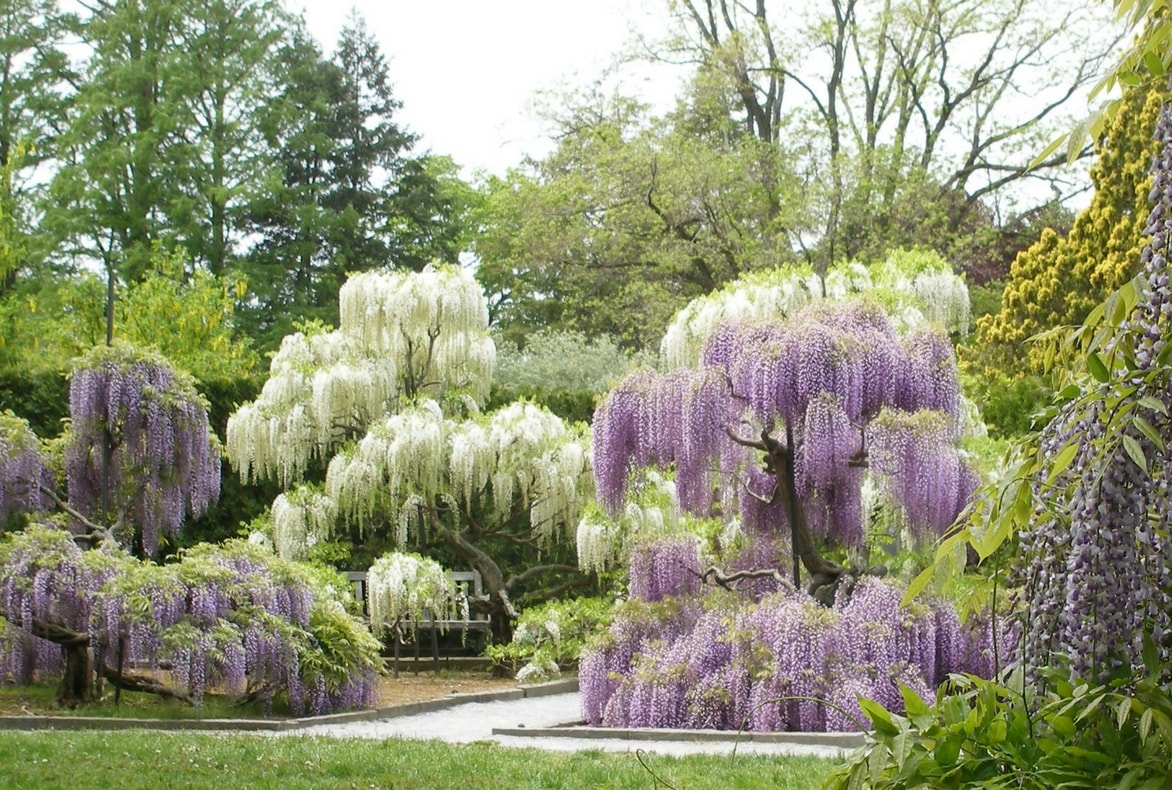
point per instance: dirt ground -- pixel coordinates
(428, 686)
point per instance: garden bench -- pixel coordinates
(468, 586)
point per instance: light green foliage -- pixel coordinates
(548, 638)
(552, 359)
(198, 334)
(629, 219)
(55, 321)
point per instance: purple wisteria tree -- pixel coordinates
(234, 616)
(781, 422)
(140, 456)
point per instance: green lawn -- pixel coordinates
(143, 759)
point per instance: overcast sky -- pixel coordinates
(467, 70)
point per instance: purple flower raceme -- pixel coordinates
(1095, 572)
(24, 477)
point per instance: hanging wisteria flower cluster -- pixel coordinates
(233, 616)
(140, 442)
(665, 567)
(651, 512)
(520, 453)
(773, 664)
(24, 478)
(1096, 569)
(302, 518)
(402, 335)
(820, 379)
(406, 589)
(915, 287)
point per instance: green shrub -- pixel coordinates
(1000, 734)
(548, 638)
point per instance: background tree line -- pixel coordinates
(140, 137)
(209, 162)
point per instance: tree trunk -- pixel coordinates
(77, 682)
(496, 604)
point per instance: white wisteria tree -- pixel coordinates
(389, 405)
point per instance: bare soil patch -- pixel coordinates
(429, 686)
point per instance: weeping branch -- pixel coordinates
(538, 570)
(556, 591)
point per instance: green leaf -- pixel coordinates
(1050, 150)
(879, 716)
(1135, 452)
(1062, 462)
(876, 762)
(1097, 368)
(1148, 430)
(918, 584)
(1063, 725)
(1121, 710)
(1153, 63)
(1154, 403)
(913, 703)
(1145, 725)
(947, 751)
(901, 747)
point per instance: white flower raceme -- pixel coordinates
(598, 543)
(301, 518)
(521, 453)
(408, 589)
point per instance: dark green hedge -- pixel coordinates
(573, 406)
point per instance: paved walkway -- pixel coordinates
(541, 722)
(542, 717)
